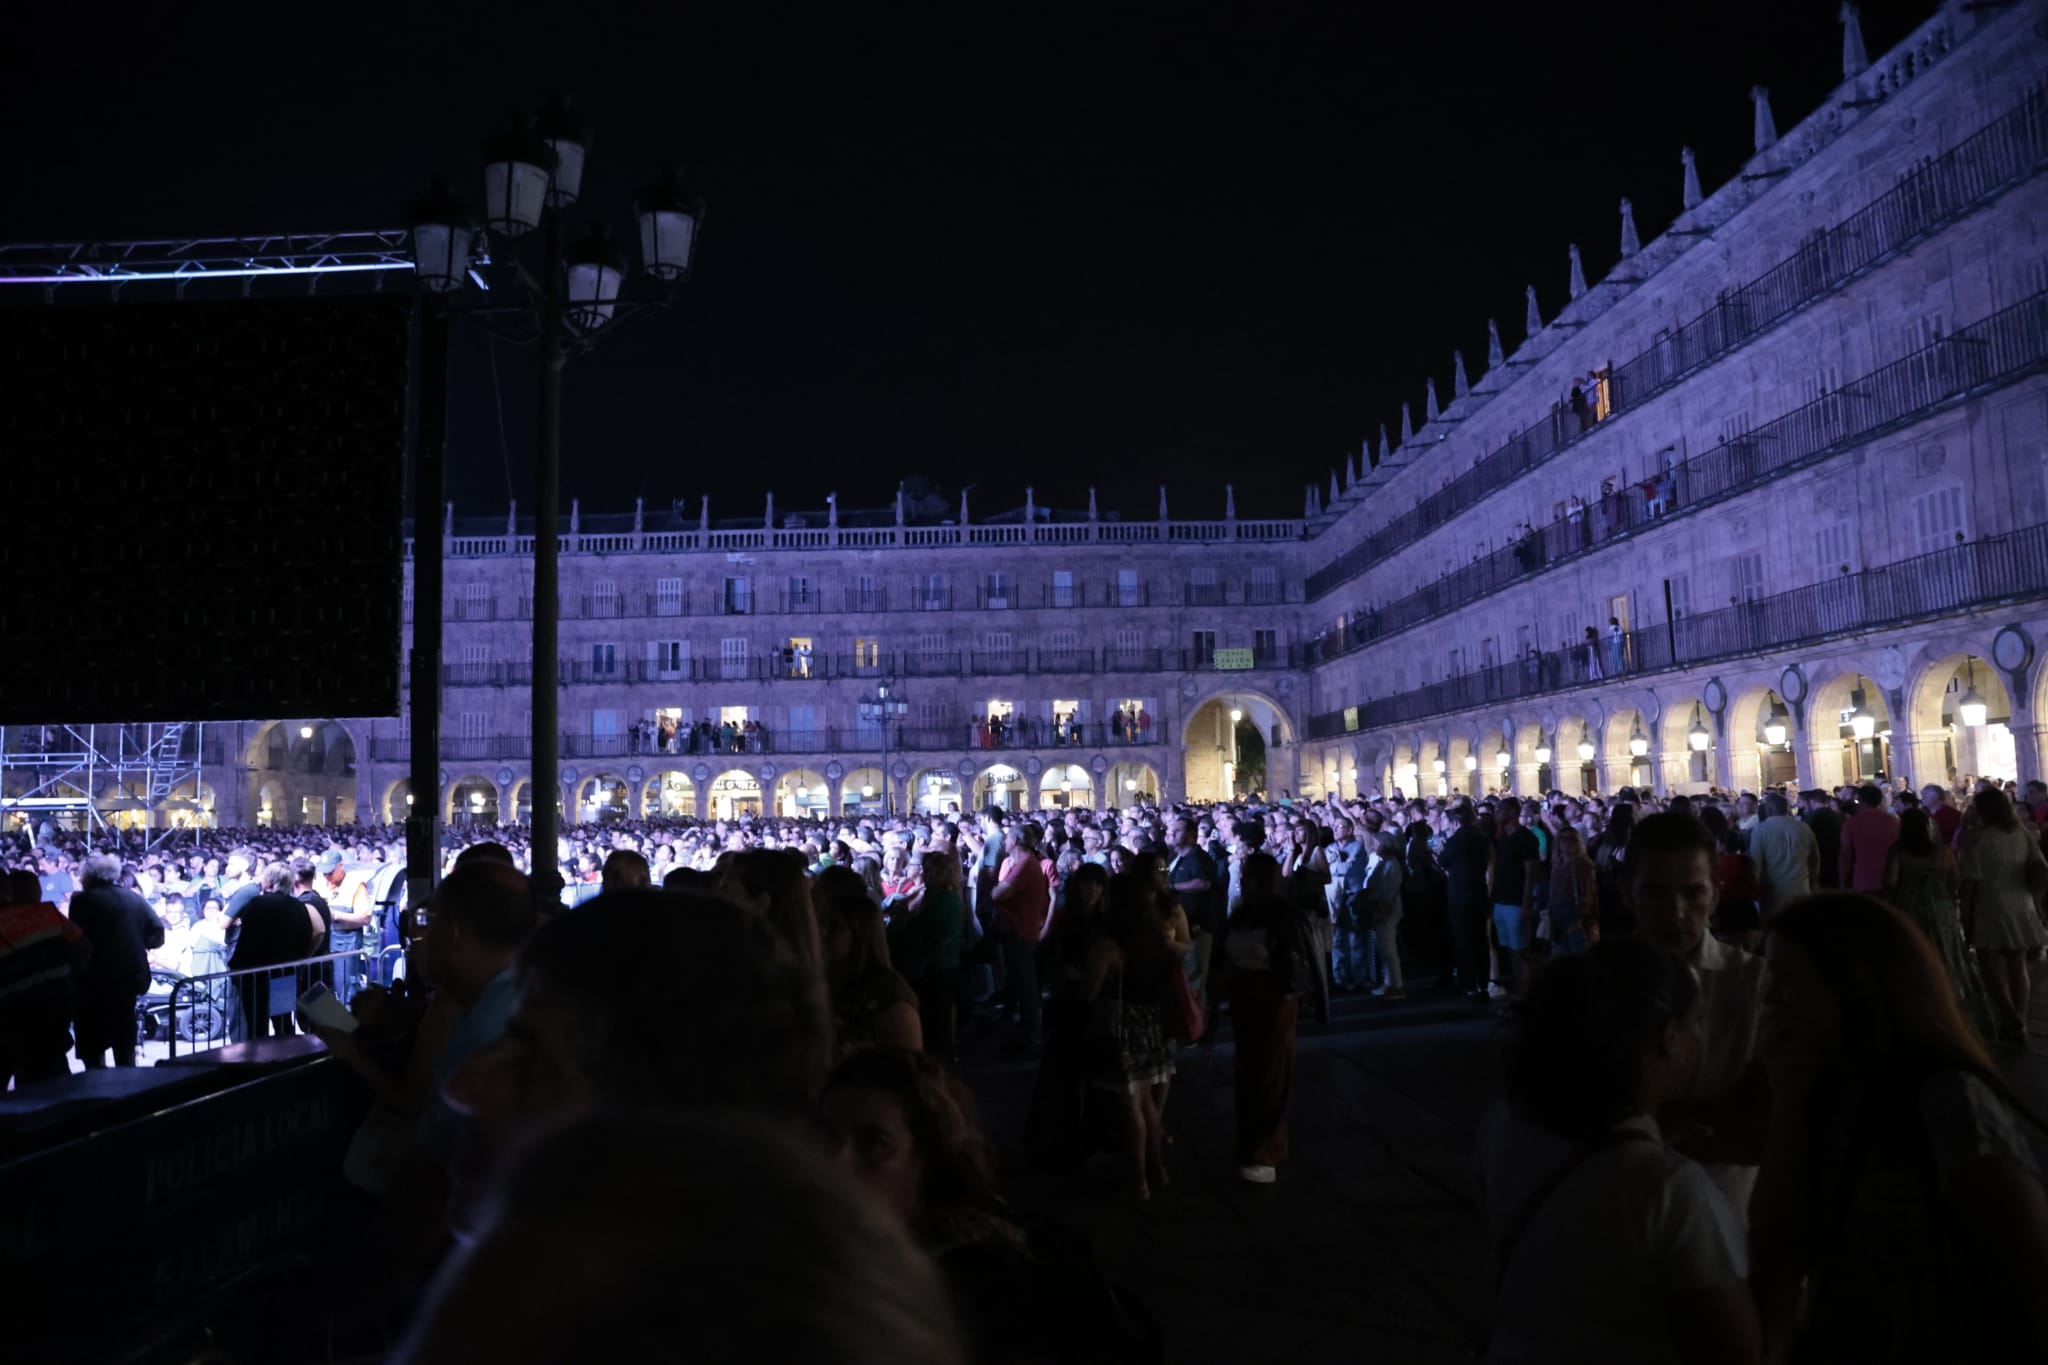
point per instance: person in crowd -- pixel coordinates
(42, 955)
(1380, 908)
(1023, 908)
(1923, 881)
(1467, 862)
(1516, 853)
(1271, 954)
(718, 1225)
(1127, 987)
(1195, 884)
(625, 870)
(1609, 1246)
(1057, 1131)
(2002, 867)
(121, 929)
(1736, 919)
(272, 927)
(1350, 859)
(1897, 1188)
(1608, 851)
(1819, 813)
(771, 882)
(1867, 836)
(1786, 853)
(1574, 894)
(1424, 905)
(926, 937)
(871, 1002)
(1669, 879)
(905, 1129)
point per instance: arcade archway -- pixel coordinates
(735, 795)
(1129, 784)
(934, 791)
(1066, 786)
(860, 792)
(1003, 787)
(670, 795)
(473, 801)
(800, 794)
(1225, 743)
(603, 799)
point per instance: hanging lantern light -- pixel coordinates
(1638, 742)
(1503, 757)
(595, 274)
(1586, 751)
(1775, 728)
(1972, 709)
(1471, 763)
(1543, 748)
(670, 214)
(564, 134)
(1440, 766)
(1862, 724)
(518, 166)
(1699, 737)
(440, 239)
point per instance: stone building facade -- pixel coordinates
(1787, 463)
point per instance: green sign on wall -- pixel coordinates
(1233, 658)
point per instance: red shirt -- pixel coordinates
(1023, 908)
(1866, 837)
(1947, 821)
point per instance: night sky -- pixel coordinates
(1113, 244)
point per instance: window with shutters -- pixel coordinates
(865, 595)
(476, 602)
(801, 597)
(604, 731)
(604, 660)
(1203, 588)
(996, 646)
(668, 597)
(737, 601)
(931, 646)
(604, 597)
(1833, 551)
(1681, 595)
(998, 590)
(668, 659)
(1264, 586)
(1130, 647)
(1265, 646)
(1749, 577)
(476, 663)
(405, 728)
(476, 724)
(1128, 591)
(1062, 648)
(1939, 520)
(931, 594)
(1063, 589)
(803, 730)
(867, 654)
(1204, 648)
(732, 658)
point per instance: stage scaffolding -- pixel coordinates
(103, 777)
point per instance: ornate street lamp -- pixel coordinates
(1586, 751)
(883, 708)
(532, 176)
(1638, 742)
(1542, 748)
(1862, 724)
(1775, 728)
(1699, 737)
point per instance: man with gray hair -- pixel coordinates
(122, 929)
(1786, 853)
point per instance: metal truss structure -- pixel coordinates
(229, 266)
(66, 770)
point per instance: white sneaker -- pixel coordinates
(1496, 991)
(1258, 1175)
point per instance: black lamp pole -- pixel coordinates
(547, 588)
(430, 438)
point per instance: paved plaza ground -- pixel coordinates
(1370, 1247)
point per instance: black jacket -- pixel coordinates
(122, 929)
(274, 928)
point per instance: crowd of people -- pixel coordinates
(1771, 1029)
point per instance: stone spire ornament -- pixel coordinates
(832, 509)
(1630, 242)
(639, 515)
(575, 516)
(1534, 322)
(512, 521)
(1407, 426)
(1692, 195)
(1430, 411)
(1578, 280)
(1334, 494)
(1308, 501)
(1351, 467)
(963, 509)
(1855, 59)
(1459, 385)
(1230, 502)
(899, 504)
(768, 517)
(1766, 131)
(1162, 502)
(1495, 356)
(1385, 449)
(1091, 504)
(704, 514)
(1030, 508)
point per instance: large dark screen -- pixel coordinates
(202, 509)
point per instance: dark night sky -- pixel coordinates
(1113, 244)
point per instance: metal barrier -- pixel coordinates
(220, 1008)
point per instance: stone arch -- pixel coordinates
(1686, 768)
(396, 804)
(1575, 752)
(308, 769)
(937, 791)
(1003, 786)
(1628, 726)
(1214, 747)
(1838, 751)
(1066, 786)
(861, 792)
(603, 798)
(519, 800)
(1130, 782)
(669, 794)
(1941, 740)
(472, 800)
(801, 794)
(733, 795)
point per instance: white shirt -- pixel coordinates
(1585, 1282)
(1731, 1005)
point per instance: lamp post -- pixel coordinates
(881, 708)
(533, 174)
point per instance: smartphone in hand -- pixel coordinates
(320, 1007)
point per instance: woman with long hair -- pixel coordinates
(1423, 904)
(1896, 1187)
(1923, 881)
(772, 882)
(1266, 943)
(1056, 1132)
(1126, 986)
(1616, 921)
(1608, 1244)
(871, 1002)
(2000, 907)
(1574, 894)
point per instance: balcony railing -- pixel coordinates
(2006, 346)
(1995, 569)
(1939, 191)
(851, 741)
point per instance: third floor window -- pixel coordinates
(668, 597)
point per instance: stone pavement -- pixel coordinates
(1370, 1247)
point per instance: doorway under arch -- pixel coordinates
(1224, 745)
(735, 795)
(1066, 786)
(801, 794)
(669, 795)
(860, 792)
